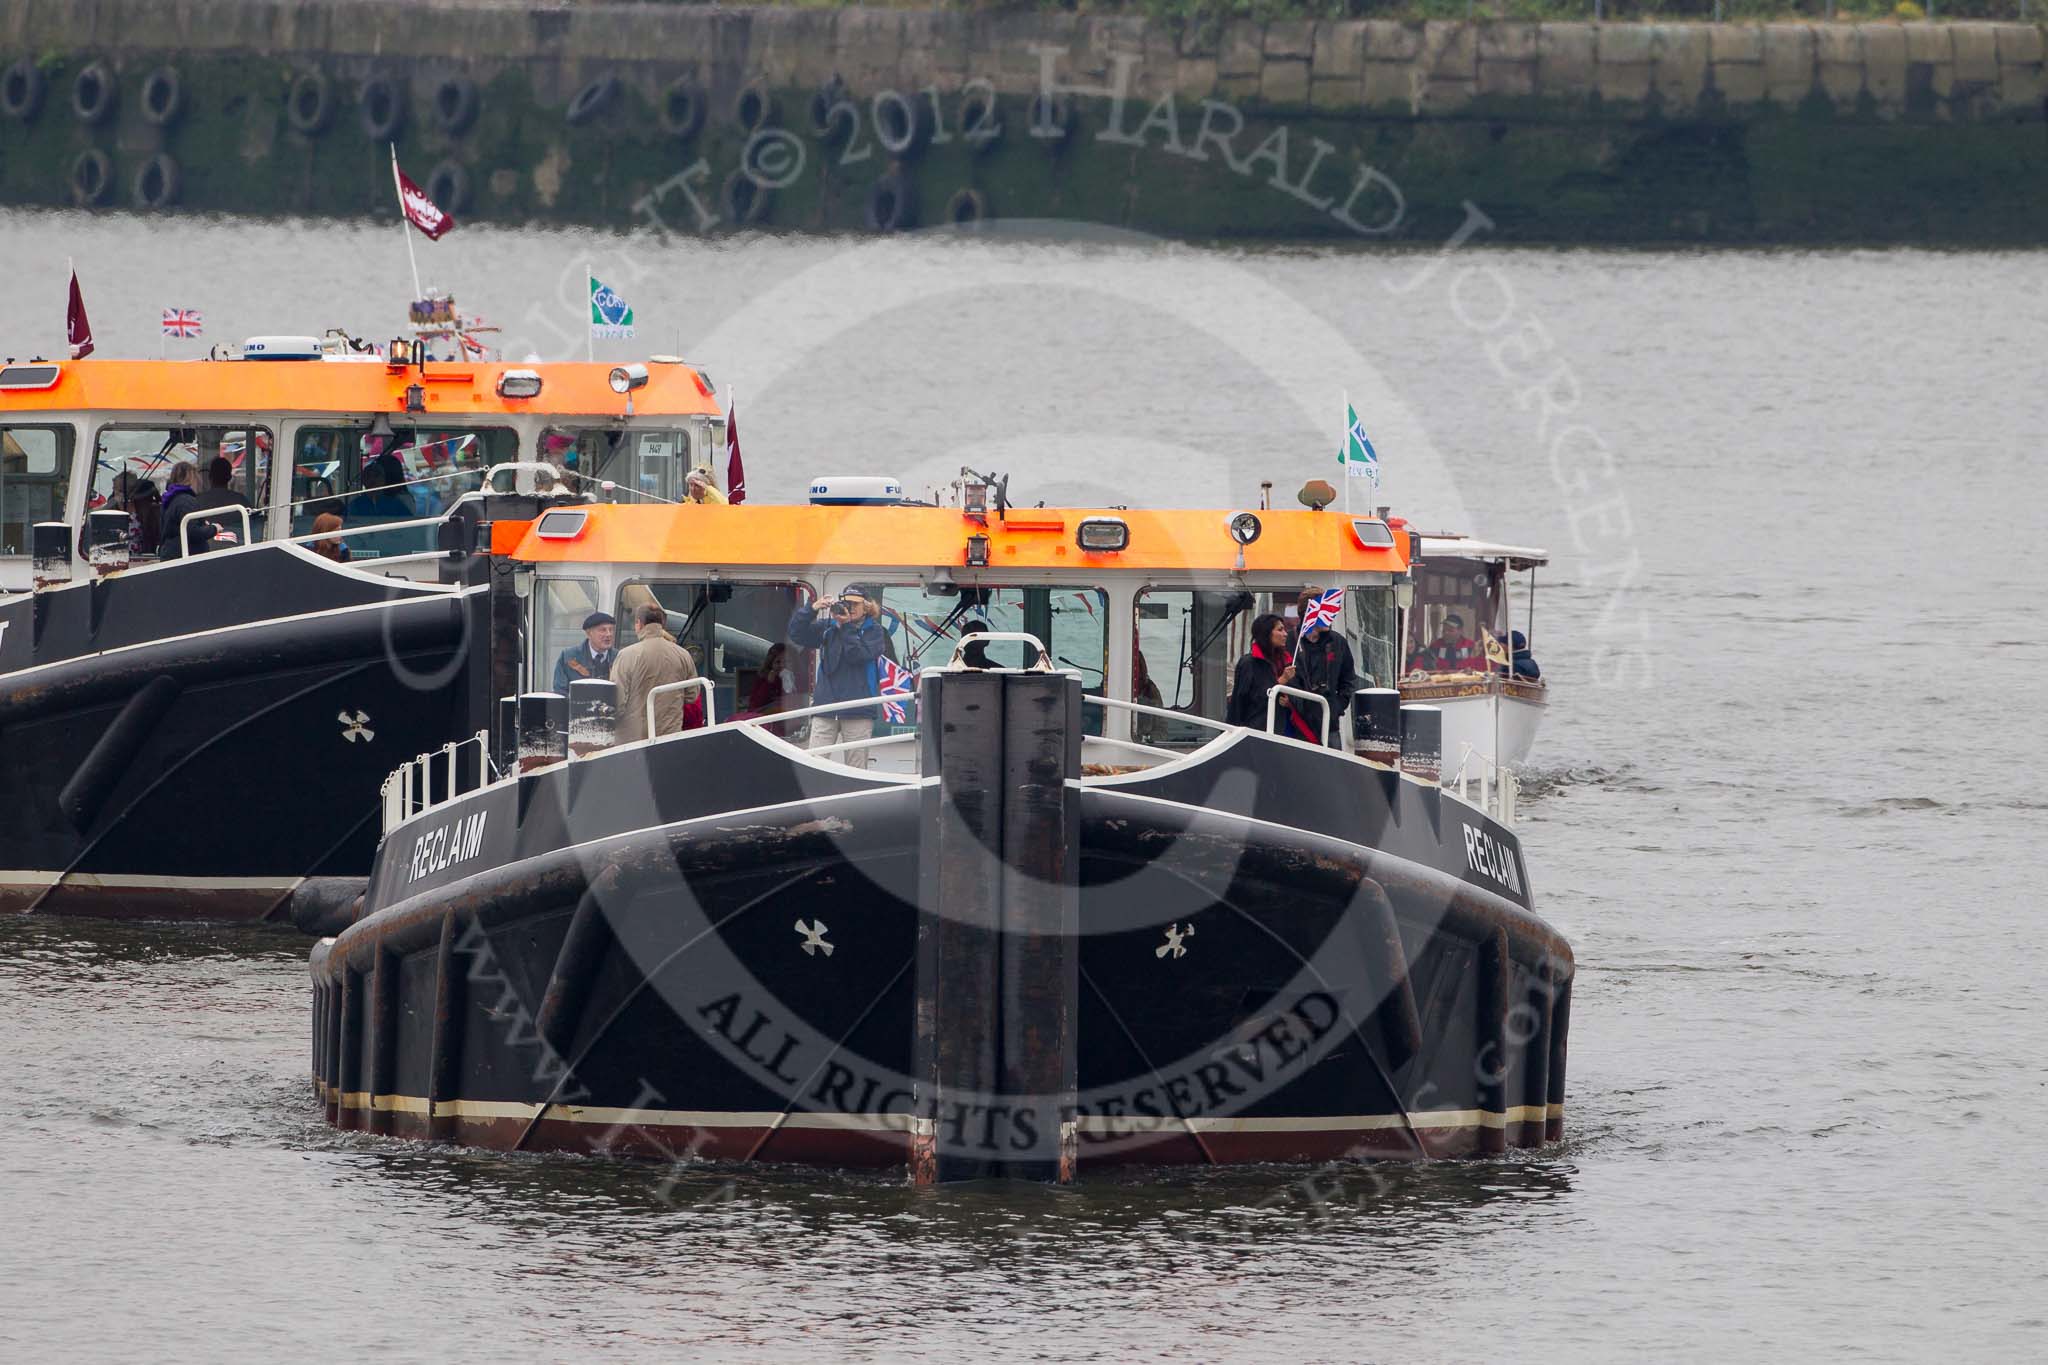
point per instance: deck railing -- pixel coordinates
(411, 790)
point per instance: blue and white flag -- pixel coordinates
(1358, 457)
(610, 315)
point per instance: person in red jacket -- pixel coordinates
(1451, 652)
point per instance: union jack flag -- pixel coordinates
(182, 322)
(896, 682)
(1322, 611)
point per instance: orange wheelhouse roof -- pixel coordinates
(350, 386)
(1316, 544)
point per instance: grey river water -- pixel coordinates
(1788, 807)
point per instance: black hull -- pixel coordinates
(543, 969)
(182, 742)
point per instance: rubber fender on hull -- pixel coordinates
(322, 906)
(114, 755)
(92, 174)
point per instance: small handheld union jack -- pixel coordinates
(896, 682)
(1321, 610)
(182, 322)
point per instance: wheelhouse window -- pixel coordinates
(652, 461)
(139, 461)
(736, 634)
(35, 478)
(1188, 641)
(923, 627)
(1458, 604)
(561, 607)
(371, 478)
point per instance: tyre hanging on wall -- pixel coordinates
(157, 182)
(448, 187)
(309, 104)
(753, 108)
(93, 94)
(592, 100)
(743, 199)
(456, 105)
(822, 108)
(903, 124)
(21, 90)
(967, 208)
(92, 174)
(892, 203)
(682, 109)
(163, 96)
(383, 109)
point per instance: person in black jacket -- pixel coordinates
(1258, 672)
(179, 499)
(1323, 662)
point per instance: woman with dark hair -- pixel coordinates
(1259, 672)
(145, 519)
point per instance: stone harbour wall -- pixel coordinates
(694, 119)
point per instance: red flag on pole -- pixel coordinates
(421, 211)
(735, 472)
(78, 331)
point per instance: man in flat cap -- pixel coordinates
(591, 659)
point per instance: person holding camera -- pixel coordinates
(849, 639)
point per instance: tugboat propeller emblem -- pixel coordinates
(814, 938)
(1175, 937)
(355, 727)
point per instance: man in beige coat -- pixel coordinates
(651, 660)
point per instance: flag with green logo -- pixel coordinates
(610, 315)
(1358, 457)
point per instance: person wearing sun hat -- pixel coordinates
(590, 659)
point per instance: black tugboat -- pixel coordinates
(1052, 913)
(196, 736)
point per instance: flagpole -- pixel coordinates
(589, 327)
(405, 225)
(1347, 452)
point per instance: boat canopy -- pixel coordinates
(1465, 547)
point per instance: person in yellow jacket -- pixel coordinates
(702, 489)
(652, 659)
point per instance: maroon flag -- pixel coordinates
(419, 210)
(735, 472)
(77, 329)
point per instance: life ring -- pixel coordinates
(383, 111)
(980, 118)
(744, 199)
(21, 90)
(967, 207)
(593, 99)
(682, 108)
(892, 203)
(448, 187)
(157, 182)
(903, 124)
(309, 104)
(1052, 118)
(93, 92)
(163, 96)
(92, 173)
(754, 107)
(456, 104)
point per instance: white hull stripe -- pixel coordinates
(439, 594)
(909, 1123)
(145, 881)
